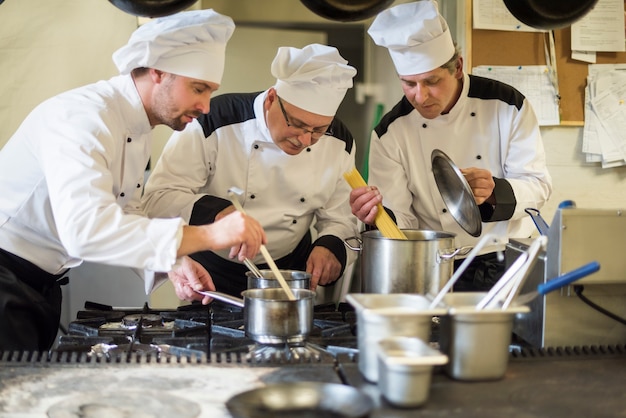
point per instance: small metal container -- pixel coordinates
(295, 279)
(405, 367)
(387, 315)
(476, 341)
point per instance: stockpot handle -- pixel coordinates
(357, 239)
(447, 255)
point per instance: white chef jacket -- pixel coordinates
(71, 179)
(492, 126)
(285, 193)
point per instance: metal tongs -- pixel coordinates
(508, 287)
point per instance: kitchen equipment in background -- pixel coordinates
(152, 8)
(540, 223)
(233, 192)
(270, 317)
(577, 236)
(456, 193)
(559, 282)
(423, 263)
(476, 341)
(346, 10)
(405, 367)
(380, 316)
(553, 14)
(301, 399)
(295, 279)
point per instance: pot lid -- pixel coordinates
(456, 193)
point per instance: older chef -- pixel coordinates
(486, 127)
(72, 175)
(286, 150)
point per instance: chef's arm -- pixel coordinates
(238, 231)
(500, 205)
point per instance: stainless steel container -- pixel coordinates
(421, 264)
(387, 315)
(476, 341)
(271, 318)
(295, 279)
(405, 367)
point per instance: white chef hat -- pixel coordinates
(314, 78)
(416, 35)
(190, 44)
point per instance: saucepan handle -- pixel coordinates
(359, 241)
(447, 255)
(568, 278)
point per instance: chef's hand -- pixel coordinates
(363, 201)
(481, 183)
(188, 277)
(323, 267)
(239, 232)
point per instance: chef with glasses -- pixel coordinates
(286, 150)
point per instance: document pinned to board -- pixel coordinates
(534, 82)
(493, 14)
(604, 133)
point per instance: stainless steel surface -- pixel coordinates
(456, 193)
(414, 265)
(388, 315)
(577, 236)
(271, 318)
(296, 279)
(476, 341)
(405, 367)
(301, 399)
(223, 297)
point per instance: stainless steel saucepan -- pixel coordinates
(270, 317)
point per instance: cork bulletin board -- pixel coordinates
(492, 47)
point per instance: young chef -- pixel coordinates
(286, 150)
(72, 174)
(487, 128)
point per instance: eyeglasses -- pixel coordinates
(315, 133)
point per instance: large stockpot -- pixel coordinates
(295, 279)
(421, 264)
(270, 317)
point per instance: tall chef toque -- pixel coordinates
(189, 44)
(314, 78)
(416, 35)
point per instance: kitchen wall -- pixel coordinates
(49, 46)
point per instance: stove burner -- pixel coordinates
(146, 320)
(290, 351)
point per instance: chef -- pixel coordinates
(72, 175)
(487, 128)
(286, 150)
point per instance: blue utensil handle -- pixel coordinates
(568, 277)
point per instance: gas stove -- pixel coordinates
(198, 331)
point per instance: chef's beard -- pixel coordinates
(166, 112)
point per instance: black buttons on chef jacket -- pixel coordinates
(294, 221)
(122, 194)
(473, 114)
(256, 146)
(479, 157)
(129, 140)
(302, 199)
(252, 196)
(308, 150)
(444, 210)
(139, 185)
(424, 125)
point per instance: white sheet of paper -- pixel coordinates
(493, 14)
(533, 81)
(602, 29)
